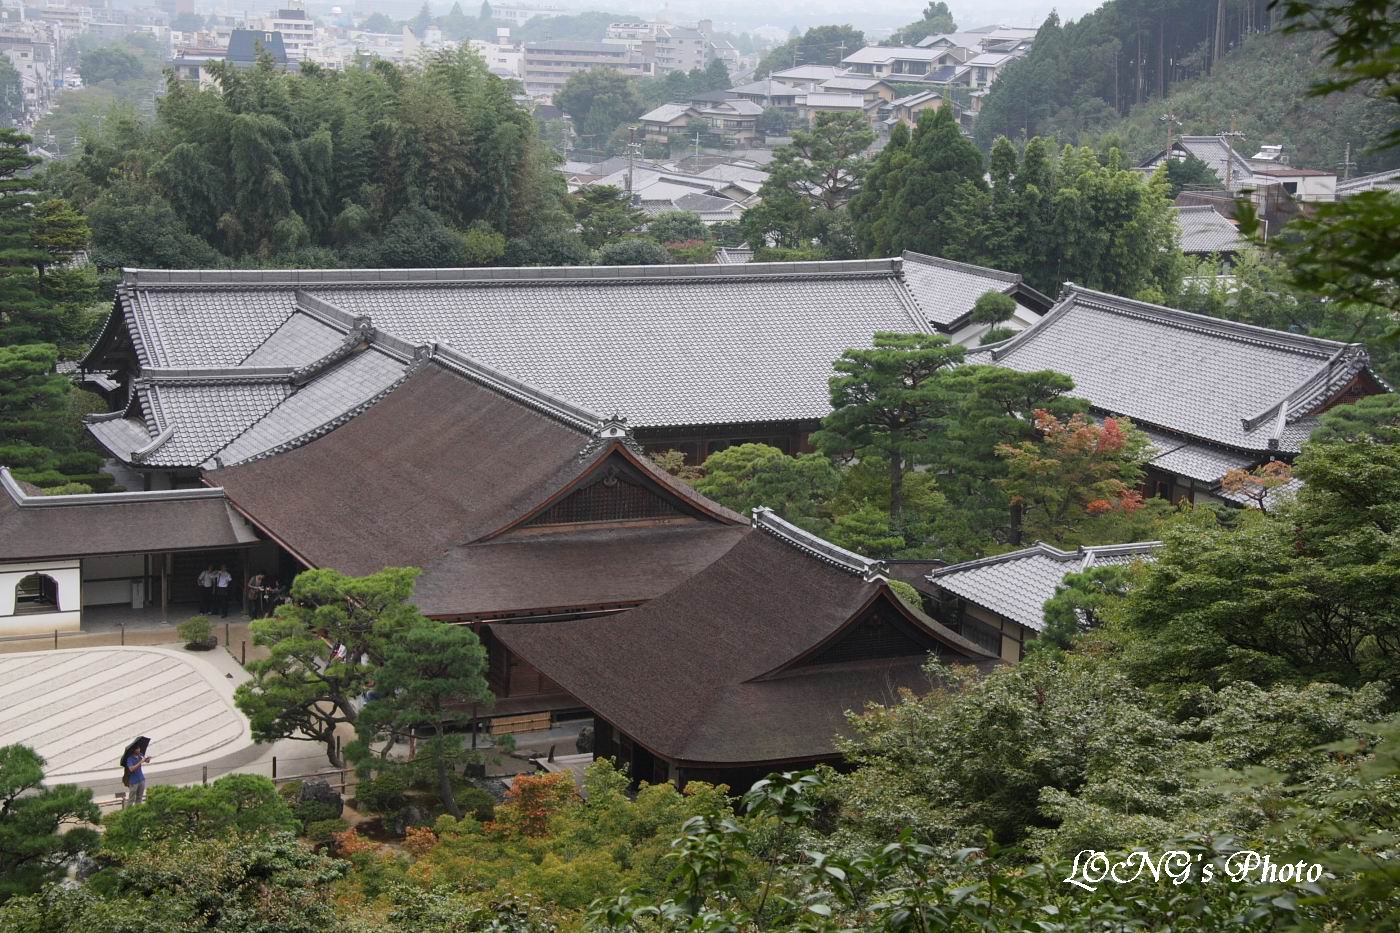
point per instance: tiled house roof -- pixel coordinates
(1201, 380)
(1016, 585)
(1203, 231)
(947, 290)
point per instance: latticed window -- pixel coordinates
(616, 496)
(37, 592)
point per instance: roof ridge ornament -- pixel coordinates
(765, 519)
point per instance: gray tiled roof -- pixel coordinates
(300, 340)
(1203, 378)
(1016, 585)
(946, 290)
(1196, 461)
(205, 415)
(1383, 181)
(1205, 231)
(662, 345)
(204, 328)
(320, 403)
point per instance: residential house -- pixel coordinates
(1304, 184)
(665, 122)
(1233, 170)
(1204, 232)
(871, 89)
(807, 77)
(769, 92)
(908, 109)
(891, 62)
(811, 104)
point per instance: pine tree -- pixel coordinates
(24, 316)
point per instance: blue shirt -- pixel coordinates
(133, 764)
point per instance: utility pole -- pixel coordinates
(1347, 164)
(631, 157)
(697, 144)
(1230, 152)
(1170, 120)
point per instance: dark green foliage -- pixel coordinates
(993, 308)
(1307, 591)
(417, 238)
(1374, 419)
(39, 826)
(677, 227)
(748, 475)
(633, 251)
(1072, 218)
(599, 101)
(1081, 603)
(427, 669)
(38, 436)
(913, 185)
(273, 168)
(547, 248)
(302, 690)
(111, 63)
(1190, 172)
(887, 402)
(234, 804)
(809, 184)
(605, 214)
(937, 19)
(241, 885)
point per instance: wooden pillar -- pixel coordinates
(165, 587)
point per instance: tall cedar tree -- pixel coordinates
(887, 401)
(24, 316)
(917, 187)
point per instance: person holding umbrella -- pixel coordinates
(133, 778)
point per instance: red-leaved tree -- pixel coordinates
(1077, 469)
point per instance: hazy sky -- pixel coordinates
(865, 14)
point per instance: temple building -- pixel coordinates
(1212, 395)
(211, 368)
(747, 667)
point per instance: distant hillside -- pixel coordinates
(1264, 86)
(1116, 71)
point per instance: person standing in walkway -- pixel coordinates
(133, 777)
(222, 581)
(206, 590)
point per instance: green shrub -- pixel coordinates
(385, 793)
(476, 803)
(314, 811)
(320, 831)
(196, 631)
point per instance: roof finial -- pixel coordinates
(615, 426)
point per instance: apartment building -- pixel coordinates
(548, 64)
(297, 29)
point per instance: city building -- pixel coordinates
(546, 65)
